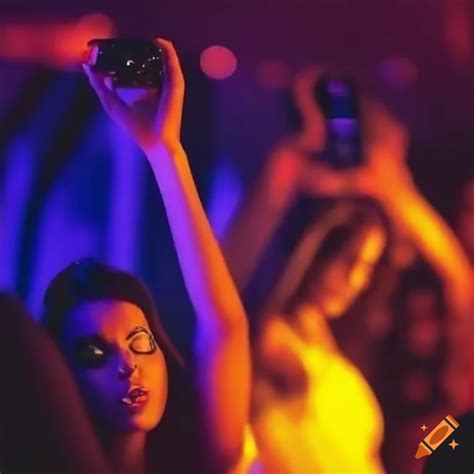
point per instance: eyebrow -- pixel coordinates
(136, 331)
(90, 338)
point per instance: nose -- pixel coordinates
(127, 366)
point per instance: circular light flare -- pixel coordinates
(218, 62)
(273, 75)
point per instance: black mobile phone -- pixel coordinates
(338, 101)
(130, 62)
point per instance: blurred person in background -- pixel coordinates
(303, 382)
(309, 397)
(43, 423)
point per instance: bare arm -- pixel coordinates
(261, 213)
(391, 184)
(221, 344)
(435, 241)
(277, 187)
(386, 178)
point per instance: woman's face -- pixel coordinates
(346, 275)
(119, 367)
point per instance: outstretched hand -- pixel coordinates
(154, 119)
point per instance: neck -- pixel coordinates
(127, 452)
(313, 327)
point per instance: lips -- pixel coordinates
(136, 396)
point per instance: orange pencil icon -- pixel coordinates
(436, 437)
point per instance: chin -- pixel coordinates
(141, 422)
(145, 425)
(335, 309)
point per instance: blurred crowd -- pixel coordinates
(358, 292)
(351, 394)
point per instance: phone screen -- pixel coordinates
(337, 100)
(130, 62)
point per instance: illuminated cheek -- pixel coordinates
(156, 379)
(359, 278)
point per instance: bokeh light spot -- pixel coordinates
(218, 62)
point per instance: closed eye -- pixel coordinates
(143, 343)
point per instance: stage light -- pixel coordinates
(58, 44)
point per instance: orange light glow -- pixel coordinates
(60, 45)
(335, 425)
(218, 62)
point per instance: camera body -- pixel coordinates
(338, 101)
(130, 62)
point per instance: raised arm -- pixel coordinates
(391, 184)
(262, 212)
(221, 344)
(386, 178)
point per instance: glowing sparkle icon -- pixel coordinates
(453, 444)
(424, 427)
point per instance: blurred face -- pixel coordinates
(346, 275)
(119, 367)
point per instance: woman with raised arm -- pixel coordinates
(386, 179)
(104, 320)
(296, 357)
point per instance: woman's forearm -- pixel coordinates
(209, 283)
(249, 233)
(221, 344)
(262, 212)
(438, 244)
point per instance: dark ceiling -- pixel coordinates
(356, 35)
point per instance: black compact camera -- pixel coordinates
(130, 62)
(338, 101)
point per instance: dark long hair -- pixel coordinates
(89, 280)
(322, 240)
(44, 426)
